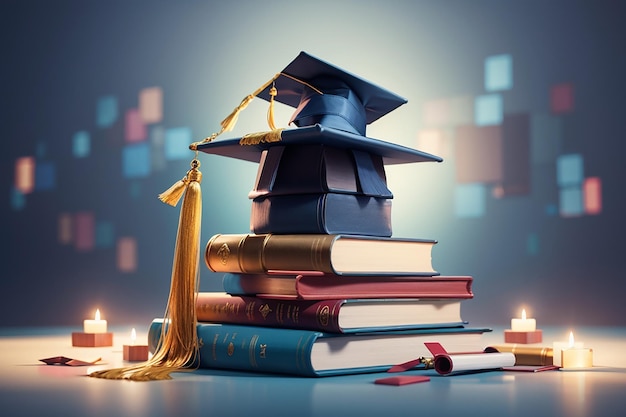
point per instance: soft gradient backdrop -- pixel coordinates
(559, 65)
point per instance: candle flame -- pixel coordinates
(97, 314)
(523, 314)
(571, 339)
(133, 335)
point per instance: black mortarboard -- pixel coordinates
(333, 107)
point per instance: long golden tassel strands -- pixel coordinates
(178, 346)
(177, 349)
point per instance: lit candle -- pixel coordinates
(135, 352)
(575, 355)
(96, 325)
(523, 324)
(558, 347)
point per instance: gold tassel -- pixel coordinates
(173, 194)
(270, 110)
(177, 349)
(229, 122)
(262, 137)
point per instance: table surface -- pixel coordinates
(29, 387)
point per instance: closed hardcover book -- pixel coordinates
(320, 286)
(337, 254)
(315, 354)
(319, 168)
(329, 213)
(333, 316)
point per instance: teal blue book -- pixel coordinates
(315, 354)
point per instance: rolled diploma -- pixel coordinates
(447, 364)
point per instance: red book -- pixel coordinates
(331, 316)
(319, 286)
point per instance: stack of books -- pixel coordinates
(319, 286)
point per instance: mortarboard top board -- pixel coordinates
(370, 99)
(332, 108)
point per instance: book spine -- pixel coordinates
(246, 253)
(329, 213)
(293, 314)
(252, 284)
(248, 348)
(288, 214)
(342, 287)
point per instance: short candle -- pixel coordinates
(94, 333)
(523, 324)
(576, 358)
(135, 352)
(96, 325)
(559, 347)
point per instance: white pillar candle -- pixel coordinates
(523, 324)
(96, 325)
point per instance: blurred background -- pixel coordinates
(522, 99)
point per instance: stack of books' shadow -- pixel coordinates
(319, 286)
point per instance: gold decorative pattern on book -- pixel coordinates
(265, 310)
(224, 253)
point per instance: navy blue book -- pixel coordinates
(314, 354)
(329, 213)
(319, 168)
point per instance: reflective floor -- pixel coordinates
(29, 388)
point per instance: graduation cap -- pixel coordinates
(332, 108)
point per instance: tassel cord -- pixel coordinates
(270, 109)
(177, 349)
(229, 122)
